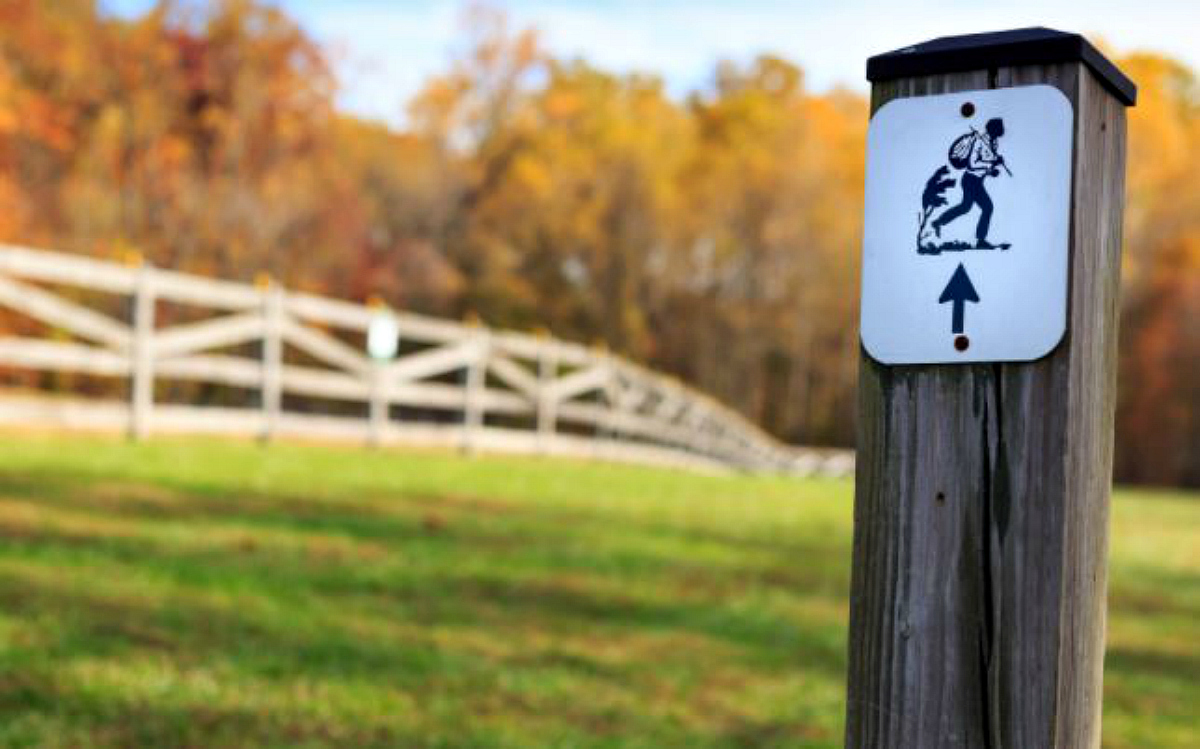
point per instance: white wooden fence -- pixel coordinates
(493, 390)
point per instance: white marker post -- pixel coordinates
(991, 251)
(383, 342)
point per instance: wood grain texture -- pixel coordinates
(981, 503)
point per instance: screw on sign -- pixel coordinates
(991, 239)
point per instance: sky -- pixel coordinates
(384, 49)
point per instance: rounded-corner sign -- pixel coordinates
(967, 226)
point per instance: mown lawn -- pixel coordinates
(196, 593)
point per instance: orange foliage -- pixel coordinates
(716, 238)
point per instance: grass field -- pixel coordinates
(206, 594)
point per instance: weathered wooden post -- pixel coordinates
(987, 383)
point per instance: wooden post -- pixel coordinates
(272, 363)
(141, 406)
(383, 345)
(473, 392)
(547, 402)
(379, 405)
(602, 433)
(981, 502)
(610, 432)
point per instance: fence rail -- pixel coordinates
(488, 389)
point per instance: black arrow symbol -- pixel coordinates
(960, 291)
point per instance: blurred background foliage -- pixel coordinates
(715, 237)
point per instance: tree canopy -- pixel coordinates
(715, 236)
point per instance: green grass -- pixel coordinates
(196, 593)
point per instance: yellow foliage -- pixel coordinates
(716, 237)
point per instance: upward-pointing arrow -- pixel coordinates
(960, 291)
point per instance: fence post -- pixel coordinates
(982, 491)
(379, 404)
(141, 408)
(708, 437)
(383, 344)
(547, 402)
(473, 392)
(272, 363)
(606, 428)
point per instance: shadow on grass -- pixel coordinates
(459, 596)
(592, 623)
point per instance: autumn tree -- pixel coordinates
(775, 184)
(714, 236)
(1158, 414)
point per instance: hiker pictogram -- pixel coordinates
(972, 158)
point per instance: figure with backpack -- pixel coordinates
(977, 154)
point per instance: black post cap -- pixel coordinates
(1032, 46)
